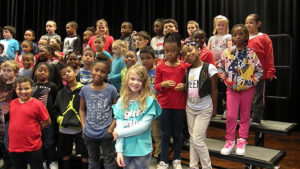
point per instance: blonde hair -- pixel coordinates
(122, 45)
(103, 22)
(220, 18)
(146, 91)
(11, 64)
(194, 23)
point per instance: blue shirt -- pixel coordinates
(98, 110)
(85, 76)
(10, 48)
(114, 77)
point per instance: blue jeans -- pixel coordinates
(171, 123)
(108, 147)
(48, 139)
(140, 162)
(33, 158)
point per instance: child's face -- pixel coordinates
(99, 72)
(44, 54)
(26, 61)
(88, 57)
(157, 27)
(73, 61)
(135, 82)
(130, 59)
(28, 35)
(199, 38)
(239, 37)
(50, 27)
(141, 42)
(101, 29)
(190, 54)
(169, 28)
(26, 48)
(24, 91)
(171, 51)
(7, 34)
(125, 30)
(87, 35)
(70, 30)
(68, 74)
(8, 73)
(116, 50)
(42, 42)
(42, 73)
(191, 28)
(252, 25)
(99, 44)
(147, 60)
(221, 27)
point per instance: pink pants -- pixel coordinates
(238, 103)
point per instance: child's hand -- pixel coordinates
(4, 108)
(180, 87)
(120, 160)
(115, 134)
(168, 83)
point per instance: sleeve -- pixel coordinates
(43, 114)
(221, 65)
(82, 91)
(16, 46)
(116, 78)
(114, 93)
(212, 70)
(120, 141)
(269, 57)
(158, 79)
(258, 70)
(108, 55)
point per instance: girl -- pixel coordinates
(96, 117)
(134, 112)
(202, 95)
(30, 35)
(240, 70)
(119, 49)
(56, 44)
(73, 59)
(192, 26)
(262, 45)
(221, 39)
(169, 82)
(102, 29)
(130, 59)
(101, 53)
(84, 76)
(27, 47)
(158, 41)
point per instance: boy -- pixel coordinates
(27, 117)
(72, 43)
(170, 25)
(157, 42)
(87, 34)
(50, 28)
(130, 59)
(148, 61)
(9, 71)
(127, 35)
(142, 40)
(66, 108)
(11, 46)
(27, 61)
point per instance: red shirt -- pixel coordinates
(169, 98)
(108, 43)
(207, 56)
(25, 125)
(262, 46)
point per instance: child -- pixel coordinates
(11, 46)
(148, 61)
(158, 41)
(87, 34)
(46, 91)
(30, 35)
(96, 117)
(262, 45)
(130, 59)
(42, 42)
(199, 37)
(119, 49)
(50, 28)
(9, 71)
(66, 108)
(127, 35)
(221, 39)
(73, 59)
(142, 40)
(27, 47)
(192, 26)
(72, 43)
(99, 46)
(169, 82)
(202, 96)
(87, 58)
(134, 112)
(240, 70)
(170, 26)
(57, 49)
(27, 61)
(27, 117)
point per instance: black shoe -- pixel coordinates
(255, 121)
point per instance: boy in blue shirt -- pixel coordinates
(11, 46)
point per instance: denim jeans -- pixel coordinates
(48, 139)
(171, 123)
(140, 162)
(33, 158)
(108, 147)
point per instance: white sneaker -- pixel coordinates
(45, 165)
(162, 165)
(241, 147)
(227, 149)
(177, 164)
(53, 165)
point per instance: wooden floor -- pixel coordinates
(291, 144)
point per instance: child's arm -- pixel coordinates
(45, 123)
(214, 93)
(159, 84)
(208, 45)
(82, 109)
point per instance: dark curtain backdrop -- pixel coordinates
(279, 17)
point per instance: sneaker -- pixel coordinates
(45, 165)
(53, 165)
(227, 149)
(224, 115)
(177, 164)
(162, 165)
(241, 147)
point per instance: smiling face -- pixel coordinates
(101, 29)
(199, 38)
(99, 72)
(70, 30)
(190, 53)
(221, 27)
(73, 60)
(24, 91)
(27, 61)
(135, 82)
(130, 59)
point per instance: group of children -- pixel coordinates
(120, 95)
